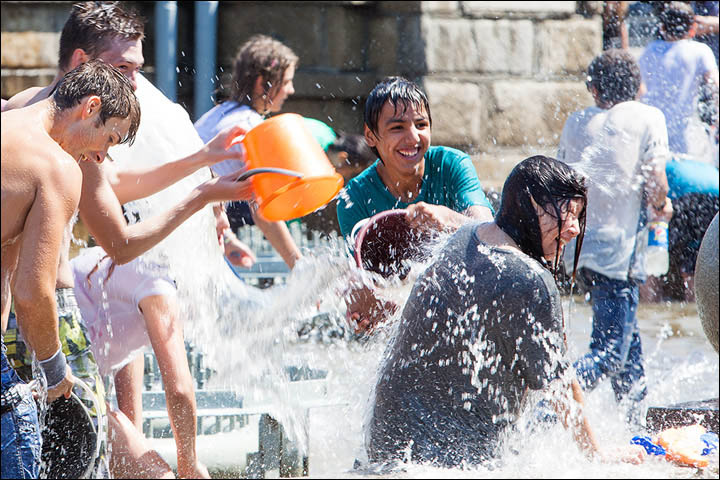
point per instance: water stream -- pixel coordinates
(250, 336)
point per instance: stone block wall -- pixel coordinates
(502, 77)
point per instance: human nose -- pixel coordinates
(290, 89)
(572, 226)
(132, 76)
(414, 133)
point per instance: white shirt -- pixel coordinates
(220, 117)
(110, 306)
(610, 147)
(673, 73)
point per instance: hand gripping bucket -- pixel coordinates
(296, 177)
(71, 441)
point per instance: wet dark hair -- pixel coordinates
(260, 56)
(93, 25)
(615, 75)
(400, 92)
(677, 19)
(552, 185)
(359, 152)
(96, 77)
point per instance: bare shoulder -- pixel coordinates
(36, 174)
(26, 97)
(29, 150)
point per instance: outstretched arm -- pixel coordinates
(140, 182)
(101, 212)
(440, 217)
(166, 335)
(279, 237)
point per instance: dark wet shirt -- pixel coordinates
(481, 326)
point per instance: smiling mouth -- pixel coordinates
(409, 153)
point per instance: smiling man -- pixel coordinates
(92, 108)
(438, 186)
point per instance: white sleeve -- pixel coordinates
(566, 138)
(655, 146)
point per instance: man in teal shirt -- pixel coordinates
(438, 186)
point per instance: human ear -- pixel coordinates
(91, 106)
(78, 58)
(259, 88)
(370, 137)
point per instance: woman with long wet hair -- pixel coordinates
(482, 327)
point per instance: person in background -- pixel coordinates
(694, 189)
(350, 154)
(708, 24)
(675, 70)
(262, 81)
(437, 185)
(615, 31)
(622, 145)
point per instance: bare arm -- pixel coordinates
(101, 212)
(707, 24)
(656, 186)
(140, 182)
(279, 237)
(33, 285)
(569, 409)
(441, 217)
(166, 335)
(569, 403)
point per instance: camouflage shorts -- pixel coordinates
(75, 344)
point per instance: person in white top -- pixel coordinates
(674, 70)
(621, 146)
(262, 81)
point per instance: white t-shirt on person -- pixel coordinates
(110, 305)
(673, 73)
(218, 118)
(611, 148)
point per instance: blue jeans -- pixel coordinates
(615, 348)
(21, 441)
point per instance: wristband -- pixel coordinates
(55, 369)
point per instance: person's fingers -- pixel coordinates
(235, 134)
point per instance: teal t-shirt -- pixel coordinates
(691, 176)
(450, 180)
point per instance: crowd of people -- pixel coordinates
(466, 352)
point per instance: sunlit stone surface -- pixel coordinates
(706, 283)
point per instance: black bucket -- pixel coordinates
(69, 440)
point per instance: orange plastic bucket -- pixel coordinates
(285, 142)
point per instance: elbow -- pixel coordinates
(28, 298)
(119, 256)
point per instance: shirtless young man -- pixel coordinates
(113, 34)
(92, 108)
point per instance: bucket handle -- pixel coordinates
(34, 385)
(255, 171)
